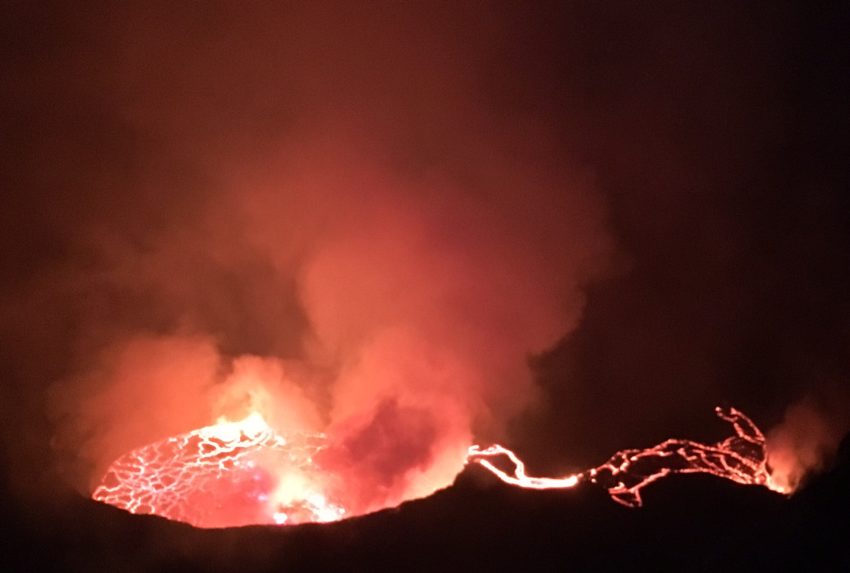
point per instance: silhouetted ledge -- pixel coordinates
(688, 523)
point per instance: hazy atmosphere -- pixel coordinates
(572, 228)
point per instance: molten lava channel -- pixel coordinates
(741, 458)
(242, 473)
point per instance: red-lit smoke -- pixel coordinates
(305, 245)
(421, 301)
(802, 443)
(353, 219)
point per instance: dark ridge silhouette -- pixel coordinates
(689, 523)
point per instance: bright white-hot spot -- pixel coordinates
(519, 477)
(228, 474)
(243, 472)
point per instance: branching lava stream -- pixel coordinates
(241, 473)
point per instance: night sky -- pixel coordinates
(595, 222)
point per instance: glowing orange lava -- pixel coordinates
(225, 475)
(241, 473)
(740, 458)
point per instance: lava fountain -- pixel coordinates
(242, 472)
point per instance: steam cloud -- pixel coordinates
(379, 266)
(804, 442)
(365, 218)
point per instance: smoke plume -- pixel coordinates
(365, 218)
(364, 249)
(804, 442)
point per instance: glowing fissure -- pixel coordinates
(741, 458)
(242, 473)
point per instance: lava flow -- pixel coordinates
(741, 458)
(242, 473)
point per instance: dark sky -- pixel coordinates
(688, 162)
(724, 161)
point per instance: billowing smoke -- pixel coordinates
(366, 250)
(423, 297)
(805, 441)
(365, 218)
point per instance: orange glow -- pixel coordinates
(227, 474)
(243, 472)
